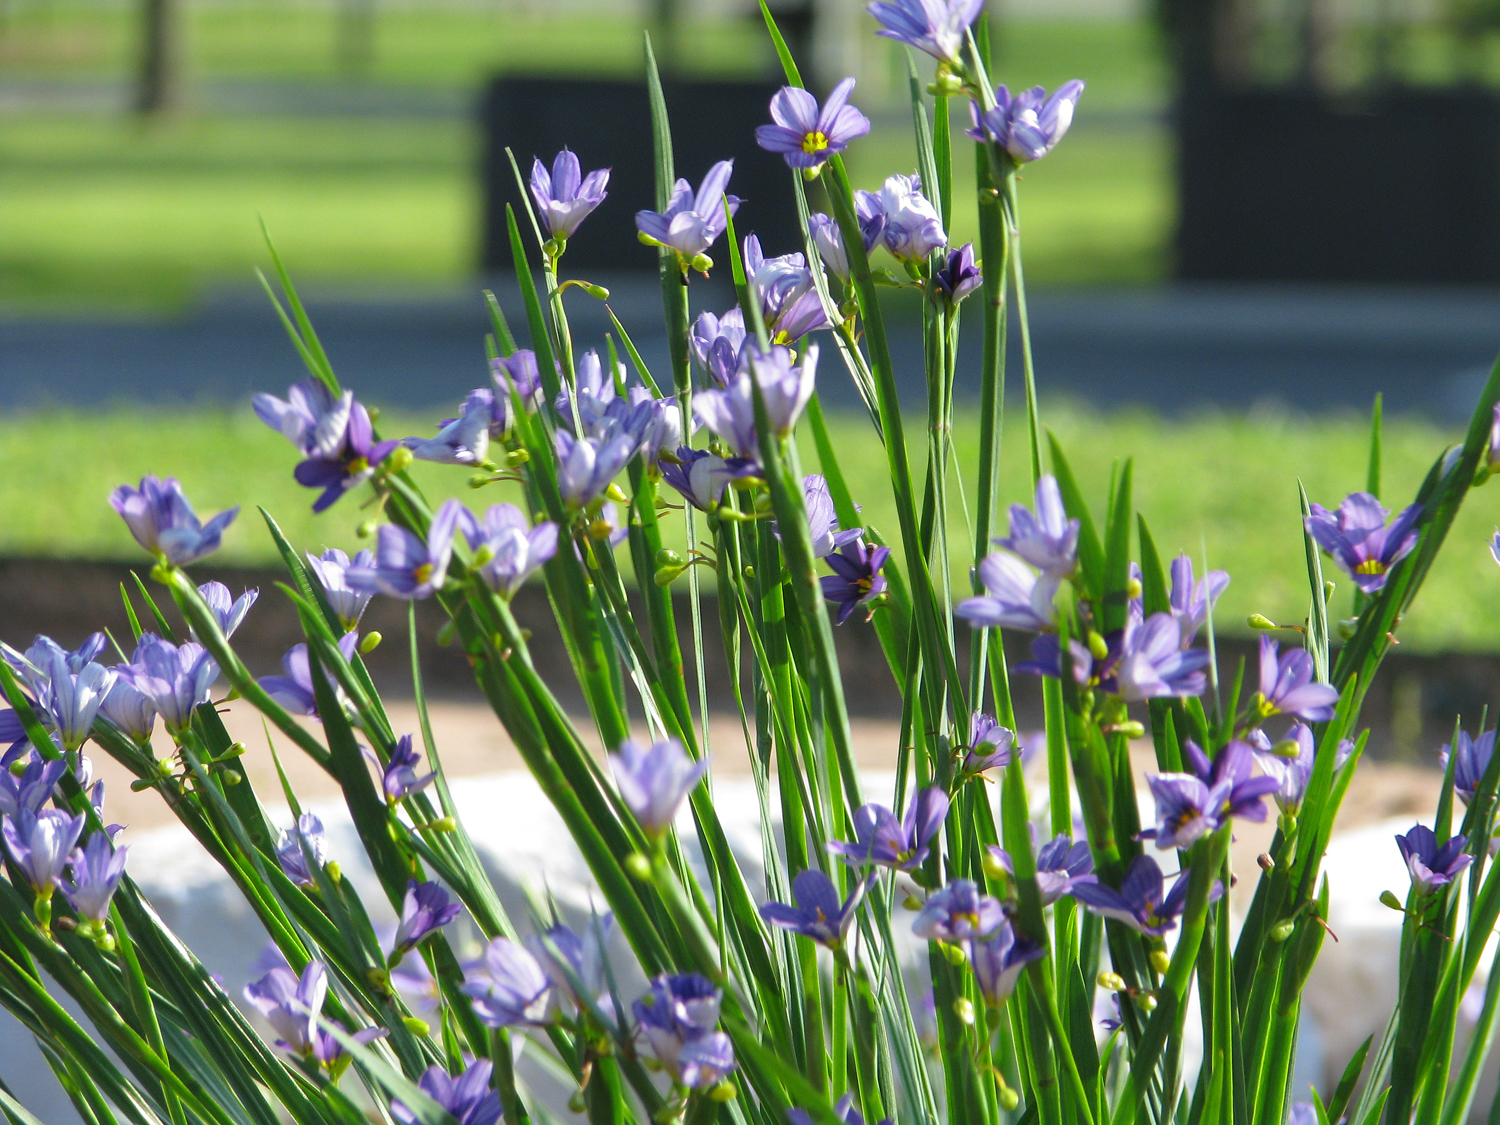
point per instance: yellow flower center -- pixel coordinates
(814, 141)
(423, 572)
(1370, 566)
(358, 465)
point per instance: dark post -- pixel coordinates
(159, 85)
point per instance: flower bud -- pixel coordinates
(1347, 627)
(416, 1026)
(1261, 621)
(370, 642)
(1287, 823)
(1009, 1099)
(811, 174)
(231, 777)
(702, 263)
(333, 869)
(963, 1008)
(666, 575)
(1265, 861)
(911, 902)
(1131, 729)
(725, 1091)
(443, 824)
(598, 292)
(576, 1102)
(479, 480)
(1146, 1002)
(399, 459)
(665, 557)
(1133, 588)
(1328, 587)
(617, 494)
(1111, 982)
(1389, 899)
(516, 458)
(1098, 645)
(17, 768)
(994, 868)
(749, 573)
(1160, 961)
(1286, 748)
(1281, 931)
(366, 529)
(638, 865)
(955, 955)
(483, 556)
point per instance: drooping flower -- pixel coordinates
(856, 580)
(574, 962)
(464, 440)
(934, 26)
(716, 342)
(1191, 805)
(998, 961)
(1287, 686)
(467, 1098)
(1432, 865)
(959, 912)
(399, 779)
(700, 476)
(513, 548)
(566, 197)
(176, 679)
(41, 844)
(1017, 597)
(991, 746)
(509, 987)
(1192, 602)
(654, 782)
(293, 689)
(913, 229)
(691, 223)
(806, 136)
(1357, 537)
(296, 844)
(822, 520)
(32, 788)
(1028, 125)
(1048, 539)
(959, 276)
(228, 610)
(405, 567)
(820, 913)
(901, 845)
(335, 437)
(1140, 902)
(425, 910)
(1152, 663)
(95, 872)
(162, 521)
(677, 1018)
(1473, 759)
(331, 567)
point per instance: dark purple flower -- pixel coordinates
(162, 521)
(881, 839)
(330, 568)
(464, 440)
(912, 229)
(228, 611)
(856, 580)
(175, 678)
(294, 689)
(959, 275)
(677, 1019)
(299, 844)
(510, 549)
(1287, 686)
(1017, 597)
(934, 26)
(1473, 759)
(1360, 542)
(691, 223)
(1140, 903)
(1192, 602)
(998, 961)
(32, 788)
(716, 342)
(467, 1098)
(509, 988)
(1048, 539)
(1191, 805)
(566, 197)
(425, 910)
(959, 912)
(701, 477)
(1432, 865)
(819, 913)
(1028, 125)
(405, 567)
(40, 845)
(334, 436)
(654, 782)
(990, 745)
(803, 135)
(96, 871)
(399, 778)
(843, 1109)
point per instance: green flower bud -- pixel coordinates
(1286, 748)
(1389, 899)
(1131, 729)
(725, 1091)
(479, 480)
(399, 459)
(617, 494)
(416, 1026)
(231, 777)
(370, 642)
(702, 263)
(1281, 931)
(598, 292)
(1347, 627)
(665, 557)
(1160, 961)
(963, 1008)
(749, 573)
(666, 575)
(1287, 823)
(516, 458)
(1146, 1002)
(955, 955)
(1261, 621)
(1111, 982)
(638, 865)
(1098, 645)
(576, 1102)
(1009, 1099)
(993, 868)
(333, 869)
(1133, 588)
(366, 529)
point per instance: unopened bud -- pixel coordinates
(1287, 823)
(373, 412)
(749, 573)
(333, 869)
(1111, 982)
(994, 866)
(1281, 931)
(638, 865)
(17, 768)
(399, 459)
(725, 1091)
(483, 556)
(955, 955)
(703, 263)
(1133, 588)
(516, 458)
(1389, 899)
(597, 291)
(911, 902)
(378, 978)
(1131, 729)
(1160, 961)
(231, 777)
(666, 575)
(142, 785)
(963, 1008)
(443, 824)
(1009, 1099)
(1261, 621)
(1146, 1001)
(1328, 587)
(617, 494)
(665, 557)
(576, 1102)
(1098, 645)
(1265, 861)
(416, 1026)
(479, 480)
(370, 642)
(366, 529)
(1287, 748)
(66, 925)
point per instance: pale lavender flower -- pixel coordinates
(913, 229)
(991, 746)
(96, 869)
(464, 440)
(1048, 539)
(700, 476)
(1473, 760)
(830, 243)
(677, 1019)
(292, 1006)
(716, 342)
(1287, 686)
(293, 689)
(806, 136)
(843, 1109)
(517, 373)
(1357, 537)
(1152, 662)
(335, 436)
(959, 912)
(330, 568)
(882, 840)
(654, 782)
(228, 611)
(42, 649)
(934, 26)
(399, 779)
(425, 910)
(70, 701)
(959, 276)
(856, 580)
(575, 963)
(785, 385)
(1191, 805)
(998, 961)
(566, 197)
(1432, 865)
(162, 521)
(405, 567)
(787, 291)
(820, 913)
(1017, 597)
(586, 466)
(295, 846)
(40, 845)
(467, 1098)
(822, 520)
(1028, 125)
(176, 679)
(1191, 601)
(509, 987)
(1140, 902)
(31, 789)
(514, 549)
(691, 223)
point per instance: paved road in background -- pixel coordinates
(1173, 349)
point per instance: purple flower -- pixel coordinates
(1028, 125)
(881, 839)
(335, 437)
(586, 466)
(595, 393)
(959, 276)
(819, 913)
(843, 1109)
(1152, 663)
(654, 782)
(130, 710)
(1360, 542)
(785, 385)
(1432, 865)
(405, 567)
(822, 520)
(512, 549)
(176, 679)
(1140, 903)
(998, 961)
(662, 431)
(467, 1098)
(959, 912)
(990, 745)
(1061, 865)
(31, 789)
(163, 522)
(790, 303)
(69, 701)
(517, 372)
(830, 243)
(1018, 598)
(292, 1006)
(1192, 602)
(40, 845)
(399, 778)
(1287, 687)
(716, 342)
(803, 135)
(331, 567)
(566, 197)
(1473, 759)
(464, 440)
(677, 1019)
(574, 963)
(509, 988)
(296, 845)
(425, 910)
(96, 871)
(1047, 540)
(913, 229)
(701, 476)
(856, 580)
(1191, 805)
(691, 223)
(228, 611)
(934, 26)
(1291, 773)
(294, 690)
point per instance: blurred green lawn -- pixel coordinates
(1224, 485)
